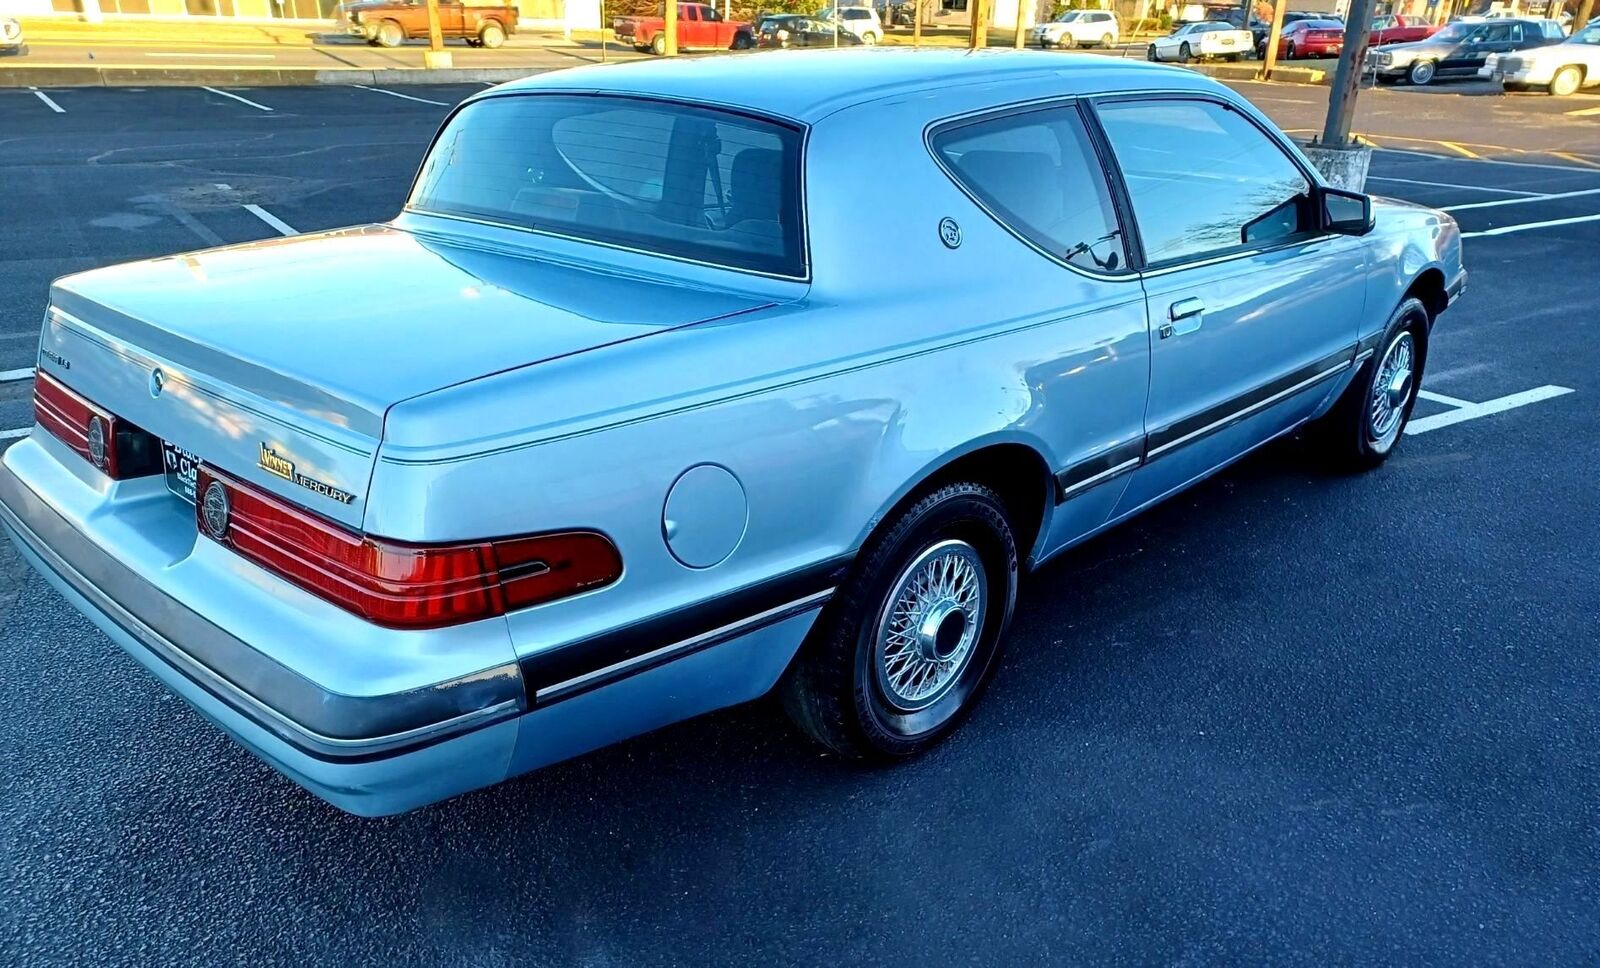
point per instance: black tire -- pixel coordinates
(391, 34)
(1150, 53)
(742, 41)
(1106, 43)
(491, 34)
(1349, 439)
(1184, 54)
(1288, 52)
(836, 689)
(1567, 81)
(658, 45)
(1422, 72)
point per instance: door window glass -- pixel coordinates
(1203, 178)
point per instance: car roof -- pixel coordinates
(808, 85)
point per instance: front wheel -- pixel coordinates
(658, 45)
(1421, 72)
(1566, 82)
(492, 35)
(900, 654)
(1363, 428)
(1150, 53)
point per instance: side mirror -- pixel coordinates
(1345, 213)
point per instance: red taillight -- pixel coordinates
(395, 584)
(116, 447)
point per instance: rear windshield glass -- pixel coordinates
(672, 179)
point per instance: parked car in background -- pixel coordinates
(1562, 69)
(625, 426)
(1258, 28)
(795, 30)
(699, 25)
(1400, 29)
(1309, 38)
(1201, 41)
(390, 23)
(11, 41)
(1460, 49)
(863, 22)
(1079, 28)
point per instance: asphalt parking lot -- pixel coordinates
(1287, 717)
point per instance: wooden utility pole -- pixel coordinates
(978, 38)
(916, 24)
(1271, 60)
(1020, 40)
(671, 28)
(1347, 79)
(435, 57)
(1585, 11)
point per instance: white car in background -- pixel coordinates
(1560, 68)
(1199, 41)
(1079, 28)
(863, 22)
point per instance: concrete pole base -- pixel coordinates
(436, 58)
(1344, 167)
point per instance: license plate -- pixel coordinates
(180, 467)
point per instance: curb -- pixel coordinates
(1252, 72)
(253, 76)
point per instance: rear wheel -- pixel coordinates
(1150, 53)
(1421, 72)
(743, 41)
(1567, 81)
(1363, 428)
(492, 35)
(1184, 54)
(1107, 42)
(390, 34)
(869, 38)
(900, 654)
(1288, 52)
(658, 45)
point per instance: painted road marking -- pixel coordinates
(1520, 201)
(1435, 156)
(1470, 188)
(1529, 226)
(1472, 411)
(407, 97)
(1447, 401)
(19, 432)
(241, 100)
(12, 376)
(46, 99)
(149, 53)
(1582, 112)
(283, 228)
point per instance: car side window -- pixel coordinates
(1038, 173)
(1203, 178)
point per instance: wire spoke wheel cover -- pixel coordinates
(1391, 389)
(930, 624)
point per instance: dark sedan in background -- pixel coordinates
(1460, 49)
(796, 30)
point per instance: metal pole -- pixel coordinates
(671, 28)
(435, 34)
(1347, 80)
(1271, 60)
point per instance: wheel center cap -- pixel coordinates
(940, 632)
(1399, 387)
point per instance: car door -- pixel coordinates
(451, 18)
(1037, 172)
(688, 25)
(1254, 310)
(1470, 54)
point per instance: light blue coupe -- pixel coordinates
(639, 409)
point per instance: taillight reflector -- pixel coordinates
(119, 449)
(396, 584)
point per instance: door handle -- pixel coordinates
(1183, 317)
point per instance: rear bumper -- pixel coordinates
(371, 753)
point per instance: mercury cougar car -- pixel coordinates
(629, 423)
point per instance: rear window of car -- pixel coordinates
(671, 179)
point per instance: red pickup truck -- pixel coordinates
(388, 23)
(699, 25)
(1400, 29)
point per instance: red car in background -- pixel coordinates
(1400, 29)
(1309, 38)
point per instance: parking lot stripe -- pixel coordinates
(11, 376)
(407, 97)
(1473, 411)
(1470, 188)
(1520, 201)
(1582, 112)
(1529, 226)
(1447, 401)
(283, 228)
(46, 99)
(18, 432)
(242, 100)
(1575, 159)
(1435, 156)
(149, 53)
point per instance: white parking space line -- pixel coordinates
(241, 100)
(1435, 156)
(1472, 411)
(1530, 226)
(46, 99)
(423, 100)
(18, 432)
(1447, 401)
(282, 227)
(1520, 201)
(12, 376)
(1435, 184)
